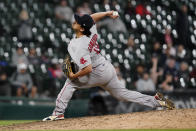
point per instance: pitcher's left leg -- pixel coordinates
(63, 98)
(62, 101)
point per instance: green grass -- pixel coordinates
(10, 122)
(126, 130)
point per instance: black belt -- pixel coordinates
(98, 65)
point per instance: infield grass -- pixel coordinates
(123, 130)
(11, 122)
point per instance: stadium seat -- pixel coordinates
(49, 30)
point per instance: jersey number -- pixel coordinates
(93, 45)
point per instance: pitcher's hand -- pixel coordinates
(111, 14)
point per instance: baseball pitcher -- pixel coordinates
(94, 70)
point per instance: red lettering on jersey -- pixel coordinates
(83, 61)
(93, 43)
(96, 49)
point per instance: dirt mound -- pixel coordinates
(178, 119)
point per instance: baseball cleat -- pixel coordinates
(164, 102)
(54, 118)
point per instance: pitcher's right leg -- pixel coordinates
(117, 90)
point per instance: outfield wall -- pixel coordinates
(11, 108)
(37, 111)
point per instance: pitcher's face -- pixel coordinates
(76, 26)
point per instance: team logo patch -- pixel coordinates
(83, 61)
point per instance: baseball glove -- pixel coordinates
(69, 66)
(66, 67)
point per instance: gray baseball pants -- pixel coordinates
(104, 76)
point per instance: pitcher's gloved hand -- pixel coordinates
(66, 67)
(69, 67)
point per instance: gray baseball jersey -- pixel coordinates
(85, 51)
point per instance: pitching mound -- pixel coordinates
(167, 119)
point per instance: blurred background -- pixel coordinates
(152, 46)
